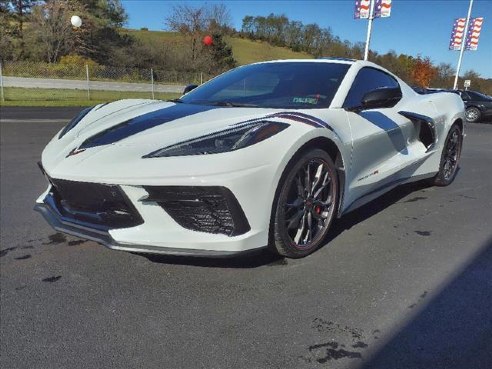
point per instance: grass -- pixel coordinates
(155, 37)
(15, 96)
(245, 51)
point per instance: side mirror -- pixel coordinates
(189, 88)
(385, 97)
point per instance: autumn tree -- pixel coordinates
(423, 71)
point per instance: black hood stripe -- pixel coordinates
(153, 119)
(294, 116)
(303, 118)
(143, 123)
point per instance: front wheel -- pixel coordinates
(306, 204)
(450, 157)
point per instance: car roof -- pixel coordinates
(327, 60)
(334, 60)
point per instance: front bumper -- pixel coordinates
(163, 230)
(62, 224)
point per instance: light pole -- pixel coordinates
(463, 45)
(369, 29)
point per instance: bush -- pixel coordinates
(77, 60)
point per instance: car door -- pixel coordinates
(380, 136)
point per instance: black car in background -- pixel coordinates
(478, 105)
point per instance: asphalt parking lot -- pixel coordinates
(404, 282)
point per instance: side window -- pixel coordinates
(476, 97)
(465, 96)
(368, 79)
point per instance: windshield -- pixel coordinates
(290, 85)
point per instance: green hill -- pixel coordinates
(245, 51)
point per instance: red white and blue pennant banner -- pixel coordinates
(472, 35)
(457, 34)
(382, 8)
(362, 8)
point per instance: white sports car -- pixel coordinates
(266, 154)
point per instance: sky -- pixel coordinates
(414, 27)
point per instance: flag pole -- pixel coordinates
(369, 28)
(463, 45)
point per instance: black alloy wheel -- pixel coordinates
(306, 204)
(450, 157)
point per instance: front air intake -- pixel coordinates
(96, 204)
(210, 209)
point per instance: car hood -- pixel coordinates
(149, 122)
(139, 127)
(152, 122)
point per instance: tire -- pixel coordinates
(306, 203)
(473, 114)
(450, 158)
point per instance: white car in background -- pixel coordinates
(266, 154)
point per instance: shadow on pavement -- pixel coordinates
(372, 208)
(454, 331)
(264, 257)
(251, 260)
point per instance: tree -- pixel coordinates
(190, 21)
(7, 32)
(21, 9)
(52, 29)
(247, 28)
(444, 76)
(13, 15)
(219, 19)
(477, 83)
(194, 22)
(293, 35)
(52, 35)
(423, 71)
(220, 54)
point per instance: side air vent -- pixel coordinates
(427, 132)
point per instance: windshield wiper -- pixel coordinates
(176, 101)
(233, 104)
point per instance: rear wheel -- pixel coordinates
(472, 114)
(450, 157)
(306, 204)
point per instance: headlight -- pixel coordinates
(74, 121)
(234, 138)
